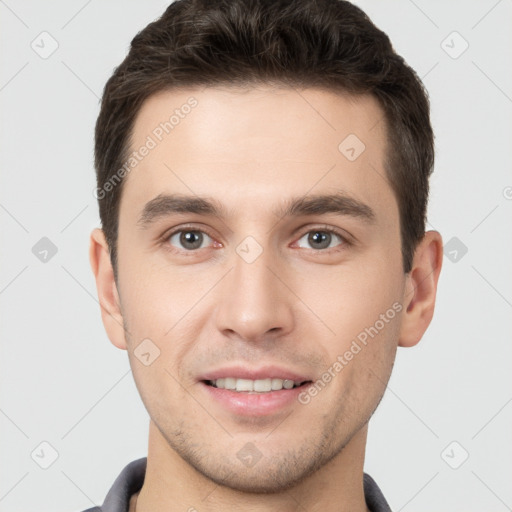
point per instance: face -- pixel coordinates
(259, 248)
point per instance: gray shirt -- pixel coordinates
(131, 478)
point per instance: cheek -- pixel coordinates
(349, 299)
(164, 316)
(161, 390)
(153, 298)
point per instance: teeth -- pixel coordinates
(277, 384)
(262, 386)
(229, 383)
(287, 384)
(243, 385)
(256, 386)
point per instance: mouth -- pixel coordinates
(256, 386)
(240, 391)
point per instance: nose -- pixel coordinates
(255, 303)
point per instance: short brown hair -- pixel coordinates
(329, 44)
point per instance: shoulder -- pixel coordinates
(128, 482)
(373, 495)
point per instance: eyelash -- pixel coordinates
(345, 242)
(322, 229)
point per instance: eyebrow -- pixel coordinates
(339, 203)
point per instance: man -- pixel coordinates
(262, 182)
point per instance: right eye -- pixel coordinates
(189, 239)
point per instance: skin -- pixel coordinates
(296, 305)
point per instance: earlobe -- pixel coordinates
(420, 290)
(108, 296)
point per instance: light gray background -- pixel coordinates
(64, 383)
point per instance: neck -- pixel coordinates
(171, 484)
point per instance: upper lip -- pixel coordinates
(266, 372)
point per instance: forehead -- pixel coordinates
(260, 144)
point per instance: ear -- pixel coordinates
(420, 289)
(108, 296)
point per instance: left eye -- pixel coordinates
(321, 239)
(190, 239)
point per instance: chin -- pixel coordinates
(280, 472)
(257, 480)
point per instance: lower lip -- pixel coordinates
(253, 404)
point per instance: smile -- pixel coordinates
(254, 386)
